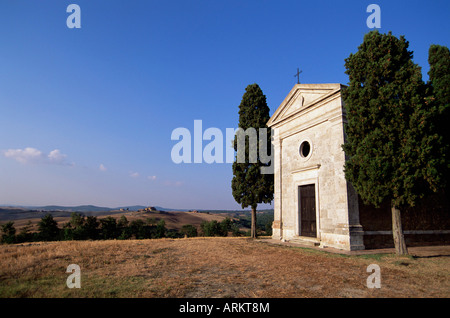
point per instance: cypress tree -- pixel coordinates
(48, 228)
(249, 186)
(392, 147)
(439, 94)
(8, 233)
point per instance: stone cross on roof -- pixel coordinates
(298, 75)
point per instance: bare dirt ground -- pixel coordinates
(213, 267)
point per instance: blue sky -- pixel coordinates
(86, 115)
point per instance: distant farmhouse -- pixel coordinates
(149, 209)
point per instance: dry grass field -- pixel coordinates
(211, 267)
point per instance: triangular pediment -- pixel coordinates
(302, 96)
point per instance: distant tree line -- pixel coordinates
(80, 227)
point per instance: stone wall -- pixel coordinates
(428, 223)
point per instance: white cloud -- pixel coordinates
(102, 167)
(55, 156)
(26, 155)
(134, 174)
(151, 178)
(173, 183)
(33, 155)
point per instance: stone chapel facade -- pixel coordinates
(313, 202)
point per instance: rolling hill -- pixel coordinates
(173, 219)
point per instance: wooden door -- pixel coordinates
(307, 208)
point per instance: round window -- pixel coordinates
(305, 149)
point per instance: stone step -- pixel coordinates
(308, 241)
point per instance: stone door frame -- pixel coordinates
(303, 177)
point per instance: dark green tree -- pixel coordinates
(122, 222)
(439, 95)
(225, 226)
(161, 229)
(393, 151)
(211, 228)
(189, 230)
(109, 228)
(123, 228)
(67, 231)
(90, 228)
(8, 233)
(249, 186)
(48, 229)
(77, 222)
(138, 229)
(81, 228)
(25, 234)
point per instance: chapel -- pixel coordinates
(313, 202)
